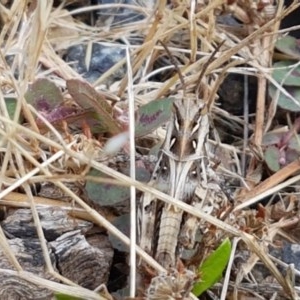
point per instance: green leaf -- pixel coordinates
(272, 158)
(123, 224)
(44, 95)
(272, 138)
(287, 73)
(152, 115)
(289, 45)
(59, 296)
(288, 76)
(212, 268)
(294, 143)
(108, 194)
(105, 194)
(284, 101)
(11, 104)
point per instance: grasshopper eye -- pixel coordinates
(194, 144)
(194, 173)
(176, 124)
(196, 127)
(172, 142)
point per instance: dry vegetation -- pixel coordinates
(35, 34)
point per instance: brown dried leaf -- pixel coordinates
(87, 97)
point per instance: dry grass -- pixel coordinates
(35, 33)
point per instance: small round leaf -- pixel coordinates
(105, 194)
(152, 115)
(272, 158)
(44, 95)
(286, 72)
(289, 45)
(284, 101)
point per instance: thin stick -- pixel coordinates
(229, 267)
(246, 123)
(132, 175)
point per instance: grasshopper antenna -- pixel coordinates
(206, 64)
(175, 64)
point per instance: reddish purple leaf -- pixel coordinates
(44, 95)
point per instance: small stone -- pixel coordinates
(102, 59)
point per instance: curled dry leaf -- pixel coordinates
(86, 146)
(89, 99)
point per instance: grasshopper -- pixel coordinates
(183, 161)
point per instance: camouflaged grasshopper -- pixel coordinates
(164, 229)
